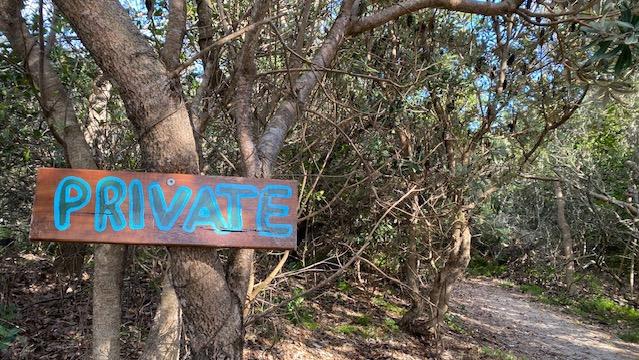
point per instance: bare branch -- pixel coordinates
(241, 265)
(241, 107)
(222, 41)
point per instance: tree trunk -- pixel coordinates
(106, 301)
(456, 263)
(566, 238)
(412, 280)
(97, 129)
(211, 306)
(163, 342)
(59, 113)
(57, 109)
(631, 277)
(633, 248)
(212, 311)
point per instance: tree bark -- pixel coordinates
(400, 8)
(412, 280)
(163, 342)
(272, 140)
(212, 311)
(107, 290)
(175, 31)
(633, 248)
(60, 116)
(57, 109)
(566, 238)
(456, 262)
(97, 122)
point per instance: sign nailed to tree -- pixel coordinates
(163, 209)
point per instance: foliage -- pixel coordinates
(343, 286)
(367, 327)
(480, 266)
(444, 105)
(616, 39)
(391, 308)
(601, 308)
(300, 314)
(454, 323)
(347, 329)
(630, 336)
(8, 332)
(607, 310)
(532, 289)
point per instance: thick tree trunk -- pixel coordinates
(211, 308)
(456, 262)
(566, 238)
(60, 115)
(212, 311)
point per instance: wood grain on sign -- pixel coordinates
(117, 207)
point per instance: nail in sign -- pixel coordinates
(96, 206)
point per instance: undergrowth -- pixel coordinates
(8, 332)
(300, 314)
(480, 266)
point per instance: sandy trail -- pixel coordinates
(510, 320)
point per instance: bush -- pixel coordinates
(480, 266)
(608, 311)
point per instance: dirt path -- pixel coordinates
(511, 321)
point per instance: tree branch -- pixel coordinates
(222, 41)
(286, 114)
(241, 106)
(175, 31)
(409, 6)
(149, 94)
(241, 264)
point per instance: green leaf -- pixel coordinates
(624, 60)
(631, 40)
(623, 24)
(601, 52)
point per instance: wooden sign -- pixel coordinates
(118, 207)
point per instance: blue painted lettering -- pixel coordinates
(64, 202)
(267, 210)
(166, 216)
(109, 196)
